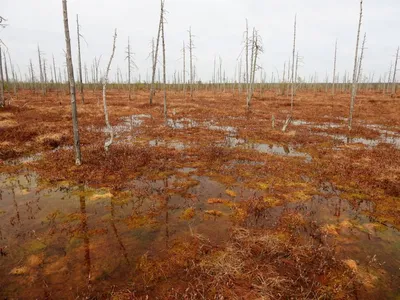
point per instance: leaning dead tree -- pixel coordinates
(108, 143)
(80, 59)
(355, 75)
(361, 59)
(164, 63)
(155, 58)
(394, 73)
(77, 145)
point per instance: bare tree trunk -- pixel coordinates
(80, 59)
(13, 73)
(41, 71)
(334, 70)
(394, 74)
(108, 143)
(184, 70)
(191, 62)
(152, 92)
(293, 63)
(77, 146)
(164, 64)
(250, 85)
(44, 75)
(361, 59)
(32, 75)
(389, 77)
(354, 86)
(6, 70)
(55, 72)
(247, 57)
(239, 77)
(2, 101)
(128, 57)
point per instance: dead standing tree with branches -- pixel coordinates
(155, 57)
(108, 143)
(131, 65)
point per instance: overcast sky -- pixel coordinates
(218, 26)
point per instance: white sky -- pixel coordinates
(218, 26)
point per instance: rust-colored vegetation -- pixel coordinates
(295, 209)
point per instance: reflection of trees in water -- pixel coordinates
(115, 230)
(166, 208)
(17, 218)
(84, 228)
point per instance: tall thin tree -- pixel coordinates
(2, 99)
(394, 73)
(293, 79)
(164, 63)
(191, 62)
(80, 59)
(355, 73)
(184, 69)
(334, 70)
(152, 90)
(108, 143)
(77, 145)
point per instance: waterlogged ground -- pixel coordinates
(65, 240)
(215, 201)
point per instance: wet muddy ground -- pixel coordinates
(182, 209)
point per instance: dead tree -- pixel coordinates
(293, 63)
(334, 70)
(394, 74)
(45, 74)
(152, 89)
(296, 73)
(361, 59)
(32, 73)
(389, 78)
(355, 77)
(13, 73)
(255, 49)
(184, 70)
(164, 63)
(77, 146)
(6, 70)
(54, 70)
(41, 76)
(80, 59)
(108, 143)
(130, 65)
(247, 57)
(191, 61)
(2, 99)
